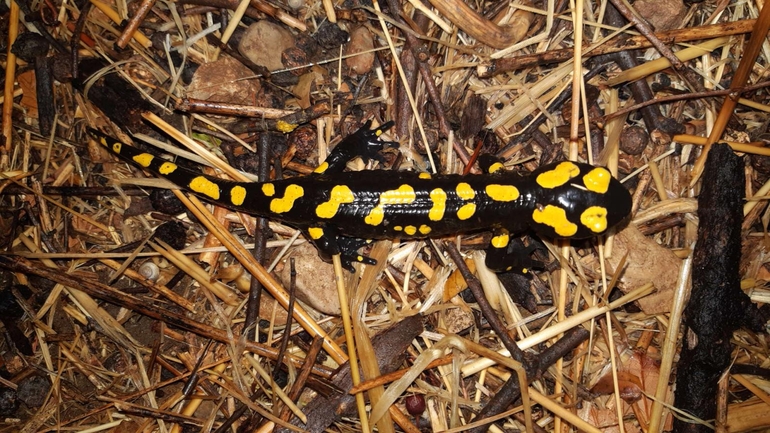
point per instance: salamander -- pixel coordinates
(337, 209)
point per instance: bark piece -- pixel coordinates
(717, 305)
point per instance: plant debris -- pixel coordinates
(128, 305)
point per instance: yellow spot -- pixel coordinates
(116, 147)
(424, 229)
(403, 195)
(375, 217)
(595, 218)
(466, 211)
(340, 194)
(425, 176)
(282, 205)
(598, 180)
(321, 168)
(496, 167)
(204, 186)
(556, 218)
(438, 197)
(410, 230)
(166, 168)
(237, 195)
(500, 241)
(143, 159)
(315, 232)
(360, 258)
(465, 192)
(502, 192)
(268, 189)
(524, 271)
(285, 126)
(397, 228)
(560, 175)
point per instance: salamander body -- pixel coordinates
(560, 200)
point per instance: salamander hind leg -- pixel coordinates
(364, 143)
(506, 254)
(329, 243)
(349, 252)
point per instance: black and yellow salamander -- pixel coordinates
(336, 209)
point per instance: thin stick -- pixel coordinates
(398, 374)
(562, 412)
(234, 21)
(133, 24)
(754, 148)
(402, 76)
(195, 147)
(669, 346)
(743, 380)
(329, 9)
(347, 325)
(558, 328)
(106, 9)
(256, 270)
(660, 64)
(10, 78)
(693, 95)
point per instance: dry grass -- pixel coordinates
(127, 364)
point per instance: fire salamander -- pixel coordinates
(336, 209)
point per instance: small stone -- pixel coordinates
(316, 283)
(224, 80)
(360, 42)
(263, 42)
(458, 319)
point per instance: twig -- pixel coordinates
(616, 44)
(646, 30)
(486, 309)
(133, 24)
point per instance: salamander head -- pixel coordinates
(577, 201)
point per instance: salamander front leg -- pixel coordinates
(490, 164)
(510, 255)
(365, 143)
(329, 243)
